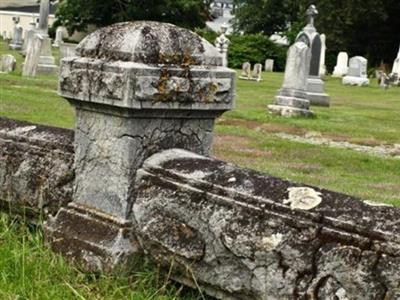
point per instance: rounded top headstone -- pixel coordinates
(149, 43)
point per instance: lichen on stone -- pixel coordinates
(303, 198)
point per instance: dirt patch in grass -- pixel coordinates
(265, 127)
(240, 145)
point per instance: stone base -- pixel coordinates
(318, 99)
(47, 70)
(289, 111)
(96, 242)
(15, 47)
(316, 92)
(351, 80)
(250, 79)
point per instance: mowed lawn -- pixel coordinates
(246, 136)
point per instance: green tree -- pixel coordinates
(76, 15)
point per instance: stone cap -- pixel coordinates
(149, 43)
(147, 66)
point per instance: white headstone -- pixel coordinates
(269, 65)
(357, 73)
(322, 67)
(17, 42)
(67, 50)
(257, 72)
(29, 37)
(59, 37)
(7, 63)
(292, 98)
(341, 67)
(396, 64)
(32, 57)
(246, 71)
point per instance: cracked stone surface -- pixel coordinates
(138, 88)
(36, 172)
(234, 232)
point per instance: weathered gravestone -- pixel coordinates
(310, 36)
(29, 34)
(246, 71)
(59, 40)
(257, 71)
(269, 65)
(32, 59)
(396, 68)
(138, 88)
(17, 41)
(357, 73)
(341, 67)
(239, 234)
(322, 66)
(222, 44)
(46, 65)
(67, 50)
(292, 98)
(36, 169)
(7, 63)
(254, 75)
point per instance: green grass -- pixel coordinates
(30, 271)
(245, 136)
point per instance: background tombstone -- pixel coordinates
(322, 66)
(132, 100)
(246, 71)
(7, 63)
(30, 66)
(4, 35)
(269, 65)
(292, 98)
(341, 67)
(67, 50)
(396, 68)
(28, 37)
(309, 35)
(357, 74)
(59, 37)
(222, 44)
(257, 71)
(46, 64)
(17, 41)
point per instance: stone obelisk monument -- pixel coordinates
(47, 64)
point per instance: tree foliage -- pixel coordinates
(77, 15)
(360, 27)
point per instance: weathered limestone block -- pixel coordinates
(138, 88)
(240, 234)
(36, 173)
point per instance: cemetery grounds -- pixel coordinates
(352, 147)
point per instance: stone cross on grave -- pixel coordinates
(311, 13)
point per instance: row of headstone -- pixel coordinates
(305, 64)
(247, 74)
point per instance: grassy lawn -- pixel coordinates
(245, 136)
